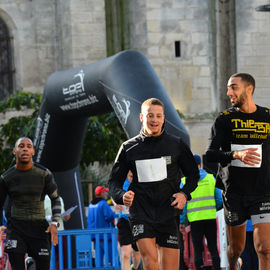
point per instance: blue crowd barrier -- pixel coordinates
(86, 249)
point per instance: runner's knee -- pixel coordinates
(125, 256)
(235, 249)
(263, 249)
(150, 263)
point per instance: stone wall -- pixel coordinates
(53, 35)
(88, 32)
(199, 131)
(138, 28)
(186, 78)
(190, 78)
(253, 46)
(31, 28)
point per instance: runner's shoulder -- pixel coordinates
(42, 169)
(8, 173)
(263, 110)
(227, 112)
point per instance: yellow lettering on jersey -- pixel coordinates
(241, 136)
(250, 125)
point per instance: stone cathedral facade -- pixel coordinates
(181, 38)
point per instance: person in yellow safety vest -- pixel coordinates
(201, 214)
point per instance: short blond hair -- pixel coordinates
(152, 101)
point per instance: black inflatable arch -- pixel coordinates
(120, 83)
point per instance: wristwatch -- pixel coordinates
(57, 224)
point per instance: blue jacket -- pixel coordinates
(218, 197)
(125, 187)
(100, 214)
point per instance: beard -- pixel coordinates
(240, 102)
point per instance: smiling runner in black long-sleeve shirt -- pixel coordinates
(157, 161)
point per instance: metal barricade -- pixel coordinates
(86, 249)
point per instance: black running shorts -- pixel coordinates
(124, 233)
(166, 233)
(29, 237)
(239, 208)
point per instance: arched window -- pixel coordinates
(6, 67)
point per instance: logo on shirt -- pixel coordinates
(252, 129)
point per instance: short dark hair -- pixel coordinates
(23, 138)
(197, 159)
(246, 78)
(152, 101)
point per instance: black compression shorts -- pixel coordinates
(237, 209)
(166, 233)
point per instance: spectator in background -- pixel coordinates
(1, 218)
(127, 244)
(6, 212)
(100, 215)
(48, 215)
(249, 255)
(48, 212)
(182, 232)
(201, 213)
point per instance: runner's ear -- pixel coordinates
(141, 117)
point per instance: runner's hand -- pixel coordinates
(3, 228)
(67, 217)
(180, 200)
(54, 234)
(128, 198)
(182, 228)
(248, 156)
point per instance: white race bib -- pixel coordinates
(151, 170)
(239, 163)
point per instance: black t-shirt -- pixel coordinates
(234, 130)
